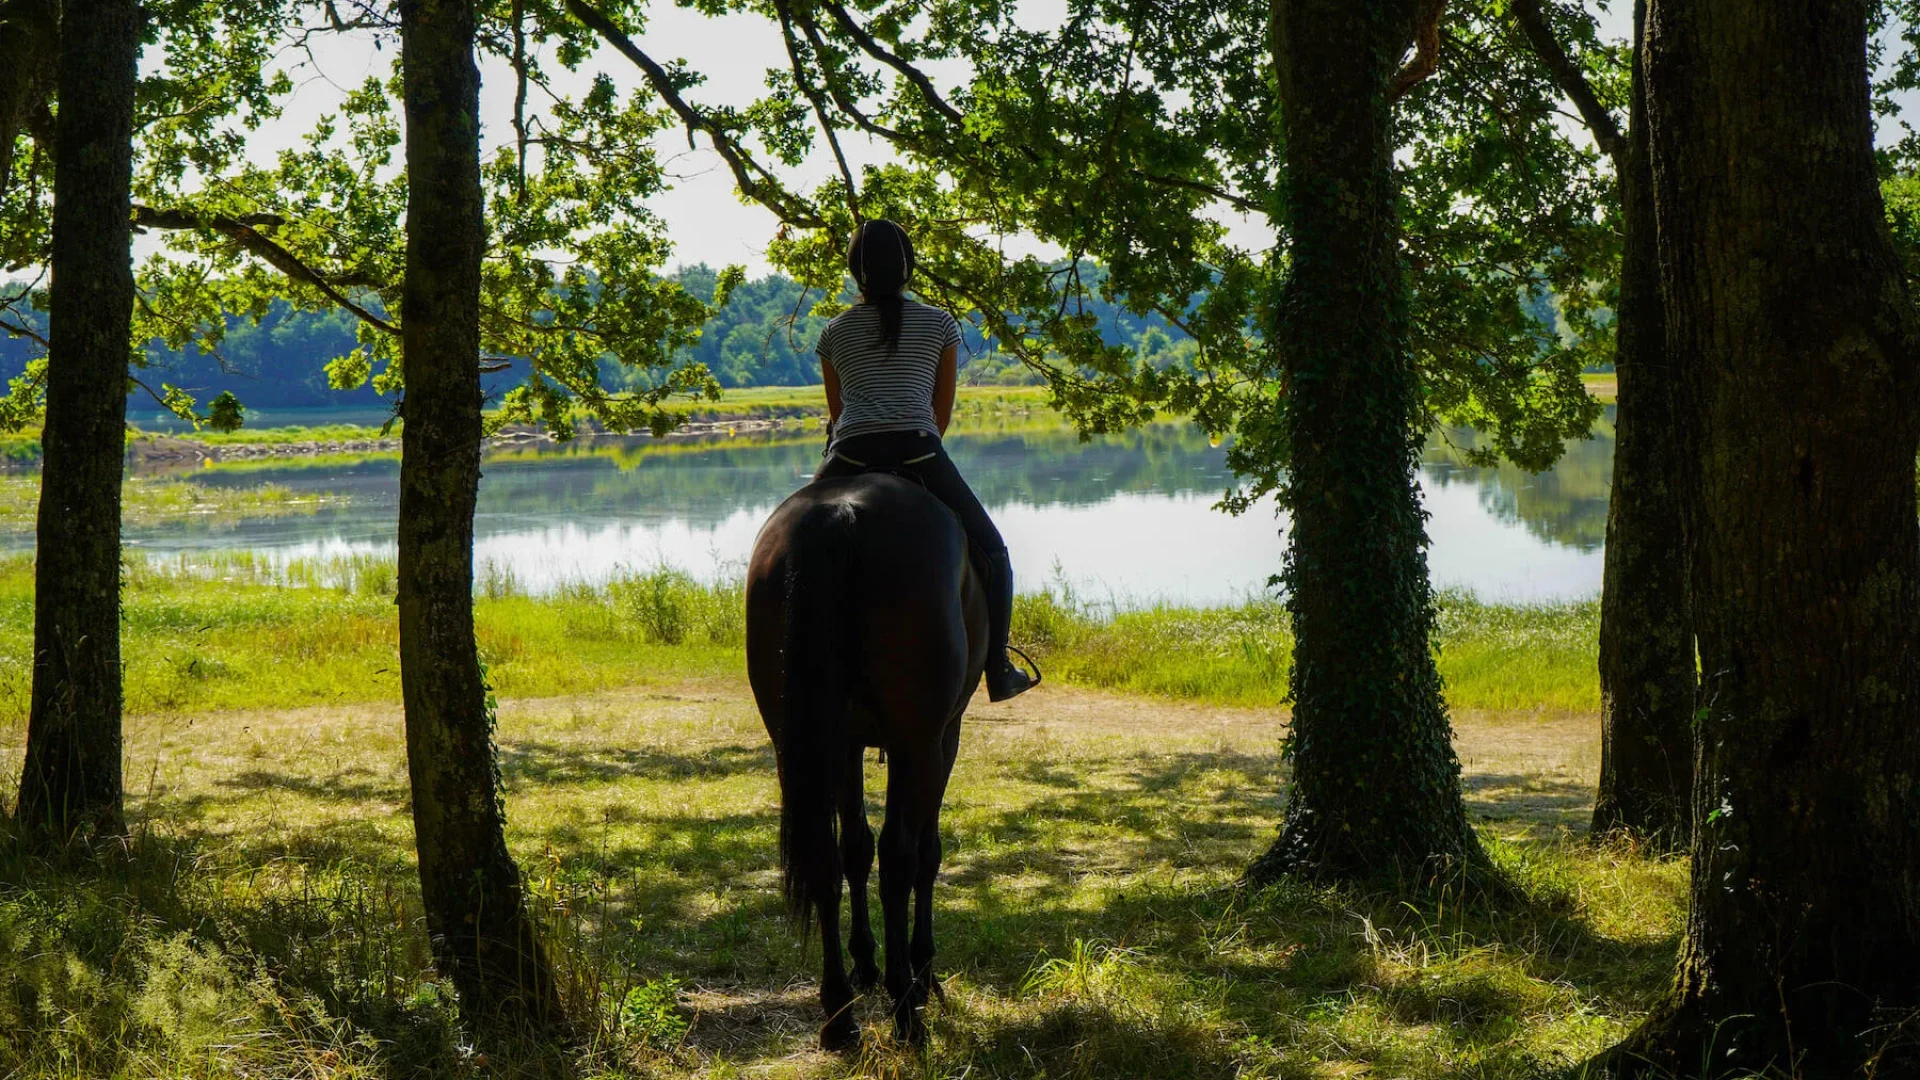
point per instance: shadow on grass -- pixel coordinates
(1086, 926)
(349, 785)
(528, 762)
(1221, 976)
(162, 953)
(1556, 801)
(529, 765)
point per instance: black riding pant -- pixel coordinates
(920, 455)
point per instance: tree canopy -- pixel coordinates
(1120, 140)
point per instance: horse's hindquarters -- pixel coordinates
(862, 630)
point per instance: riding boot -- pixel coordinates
(1003, 679)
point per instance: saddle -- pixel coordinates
(976, 558)
(897, 468)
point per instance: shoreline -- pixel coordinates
(152, 450)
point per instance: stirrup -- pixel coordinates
(1031, 680)
(1037, 677)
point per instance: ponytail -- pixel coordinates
(881, 260)
(892, 312)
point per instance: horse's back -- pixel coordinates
(911, 612)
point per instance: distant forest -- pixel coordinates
(278, 362)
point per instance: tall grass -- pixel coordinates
(232, 630)
(1495, 657)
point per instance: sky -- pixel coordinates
(705, 219)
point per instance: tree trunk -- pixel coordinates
(30, 40)
(476, 912)
(1646, 626)
(1376, 786)
(71, 782)
(1790, 321)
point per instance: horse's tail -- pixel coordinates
(813, 734)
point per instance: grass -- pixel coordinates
(747, 404)
(293, 433)
(265, 921)
(1603, 385)
(1493, 657)
(323, 632)
(145, 501)
(974, 407)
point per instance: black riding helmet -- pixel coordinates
(880, 258)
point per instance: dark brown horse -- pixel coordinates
(866, 627)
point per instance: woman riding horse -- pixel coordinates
(868, 625)
(891, 365)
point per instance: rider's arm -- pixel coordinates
(832, 379)
(944, 381)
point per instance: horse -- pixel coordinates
(866, 627)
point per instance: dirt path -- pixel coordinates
(1524, 770)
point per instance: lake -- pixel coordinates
(1126, 518)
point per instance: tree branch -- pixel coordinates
(1238, 202)
(199, 340)
(1568, 77)
(805, 85)
(148, 217)
(866, 123)
(879, 52)
(241, 230)
(158, 398)
(520, 98)
(766, 190)
(1426, 51)
(22, 330)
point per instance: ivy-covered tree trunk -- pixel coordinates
(1646, 624)
(1792, 324)
(71, 782)
(476, 913)
(1376, 787)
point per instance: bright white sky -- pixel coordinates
(705, 219)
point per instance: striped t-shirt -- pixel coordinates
(882, 391)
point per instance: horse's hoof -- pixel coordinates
(910, 1032)
(866, 980)
(840, 1035)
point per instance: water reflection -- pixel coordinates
(1565, 506)
(1128, 517)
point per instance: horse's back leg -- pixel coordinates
(840, 1032)
(927, 867)
(856, 858)
(916, 778)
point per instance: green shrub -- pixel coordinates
(651, 1015)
